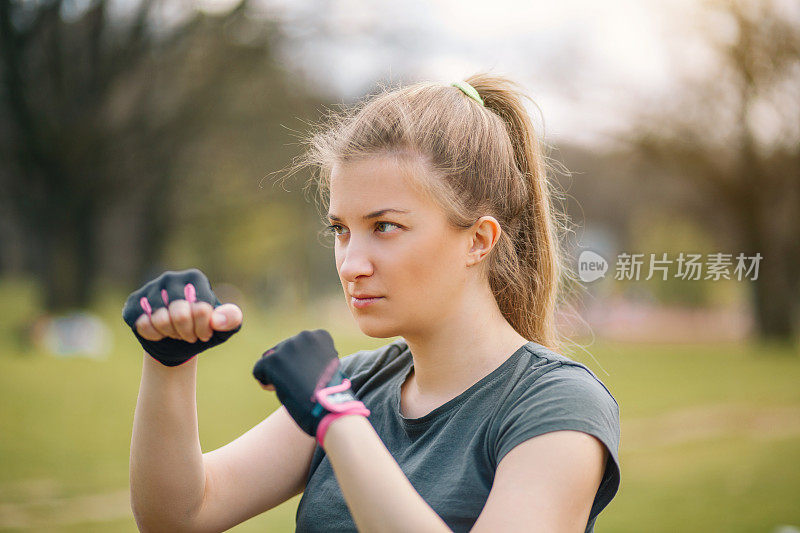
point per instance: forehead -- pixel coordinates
(377, 182)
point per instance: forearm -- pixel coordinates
(379, 495)
(167, 476)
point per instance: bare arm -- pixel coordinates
(167, 475)
(174, 486)
(258, 471)
(545, 484)
(369, 477)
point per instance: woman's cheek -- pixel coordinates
(433, 283)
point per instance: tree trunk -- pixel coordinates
(774, 293)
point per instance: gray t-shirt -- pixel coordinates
(450, 455)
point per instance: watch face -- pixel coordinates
(341, 397)
(336, 398)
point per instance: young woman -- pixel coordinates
(445, 236)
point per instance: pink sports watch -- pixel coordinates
(327, 398)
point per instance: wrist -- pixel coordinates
(338, 424)
(181, 379)
(330, 419)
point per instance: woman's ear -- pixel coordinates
(484, 234)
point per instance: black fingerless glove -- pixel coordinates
(190, 285)
(304, 370)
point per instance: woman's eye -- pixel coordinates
(338, 230)
(334, 228)
(387, 224)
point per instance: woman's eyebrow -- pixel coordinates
(374, 214)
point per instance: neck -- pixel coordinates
(467, 344)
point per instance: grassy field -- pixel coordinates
(710, 434)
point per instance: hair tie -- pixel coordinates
(469, 90)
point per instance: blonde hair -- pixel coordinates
(483, 161)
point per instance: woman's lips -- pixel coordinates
(361, 303)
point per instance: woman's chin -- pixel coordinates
(373, 328)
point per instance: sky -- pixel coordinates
(586, 64)
(582, 62)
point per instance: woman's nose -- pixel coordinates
(356, 262)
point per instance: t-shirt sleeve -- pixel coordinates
(568, 397)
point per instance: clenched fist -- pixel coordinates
(177, 315)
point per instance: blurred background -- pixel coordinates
(138, 136)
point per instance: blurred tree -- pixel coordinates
(726, 150)
(101, 118)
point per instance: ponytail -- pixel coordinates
(534, 271)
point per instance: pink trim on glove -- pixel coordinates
(145, 305)
(190, 293)
(324, 378)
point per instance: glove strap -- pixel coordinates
(337, 410)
